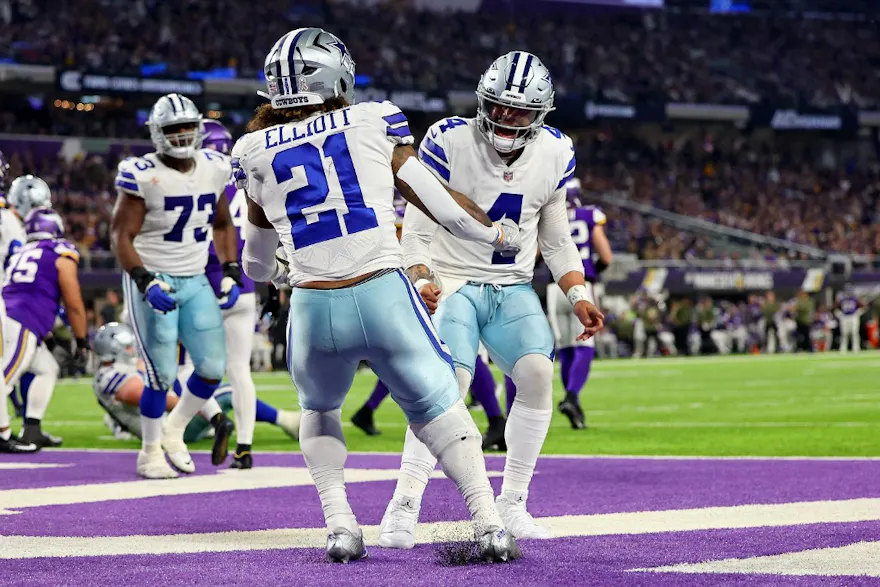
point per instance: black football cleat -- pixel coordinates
(33, 434)
(242, 458)
(15, 446)
(572, 409)
(363, 419)
(223, 429)
(493, 439)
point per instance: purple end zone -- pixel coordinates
(561, 486)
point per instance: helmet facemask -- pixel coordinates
(179, 140)
(508, 127)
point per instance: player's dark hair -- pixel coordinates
(266, 116)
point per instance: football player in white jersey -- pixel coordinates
(168, 202)
(320, 177)
(513, 167)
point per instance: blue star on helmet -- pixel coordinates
(339, 45)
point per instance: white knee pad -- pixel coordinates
(533, 376)
(455, 424)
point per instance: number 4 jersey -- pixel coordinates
(180, 209)
(31, 290)
(326, 185)
(461, 157)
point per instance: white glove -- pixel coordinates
(507, 242)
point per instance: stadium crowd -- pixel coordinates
(619, 57)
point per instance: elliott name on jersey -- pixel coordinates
(461, 157)
(180, 209)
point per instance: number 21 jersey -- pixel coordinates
(326, 185)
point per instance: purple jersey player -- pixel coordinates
(588, 233)
(849, 314)
(40, 275)
(238, 320)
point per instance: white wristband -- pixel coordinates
(577, 293)
(421, 283)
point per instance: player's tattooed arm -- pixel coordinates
(417, 272)
(401, 154)
(128, 218)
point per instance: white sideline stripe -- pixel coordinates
(859, 559)
(657, 522)
(225, 480)
(646, 457)
(14, 466)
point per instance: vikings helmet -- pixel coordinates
(28, 192)
(308, 66)
(173, 110)
(43, 224)
(115, 342)
(215, 136)
(517, 84)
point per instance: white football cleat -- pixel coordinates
(398, 526)
(152, 465)
(518, 521)
(178, 454)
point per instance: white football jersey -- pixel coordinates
(326, 185)
(177, 228)
(11, 230)
(461, 157)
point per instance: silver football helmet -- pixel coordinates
(513, 98)
(172, 110)
(115, 342)
(308, 66)
(28, 192)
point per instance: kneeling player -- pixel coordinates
(118, 385)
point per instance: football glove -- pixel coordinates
(229, 285)
(507, 242)
(156, 292)
(272, 303)
(81, 355)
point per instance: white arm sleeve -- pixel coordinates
(418, 232)
(554, 238)
(443, 207)
(258, 257)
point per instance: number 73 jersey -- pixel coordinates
(177, 230)
(530, 192)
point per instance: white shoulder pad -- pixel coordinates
(221, 163)
(64, 248)
(563, 149)
(391, 121)
(132, 174)
(241, 152)
(436, 148)
(599, 217)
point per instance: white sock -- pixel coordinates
(244, 400)
(417, 463)
(151, 432)
(289, 421)
(39, 395)
(210, 409)
(528, 421)
(4, 413)
(323, 447)
(187, 407)
(456, 441)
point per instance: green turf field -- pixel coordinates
(815, 405)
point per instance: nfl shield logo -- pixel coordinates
(508, 176)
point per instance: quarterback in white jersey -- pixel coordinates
(513, 167)
(320, 177)
(168, 203)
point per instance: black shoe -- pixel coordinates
(31, 433)
(223, 429)
(363, 419)
(14, 445)
(493, 439)
(571, 408)
(242, 458)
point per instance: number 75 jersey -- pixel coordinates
(177, 229)
(525, 192)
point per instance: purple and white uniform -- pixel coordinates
(214, 268)
(849, 305)
(582, 221)
(32, 297)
